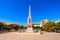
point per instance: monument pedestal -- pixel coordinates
(29, 30)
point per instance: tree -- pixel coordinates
(16, 27)
(10, 26)
(58, 26)
(1, 25)
(36, 28)
(22, 27)
(49, 26)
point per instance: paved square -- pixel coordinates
(30, 36)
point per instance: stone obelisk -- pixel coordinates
(29, 25)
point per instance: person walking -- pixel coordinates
(41, 30)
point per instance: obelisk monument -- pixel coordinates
(29, 25)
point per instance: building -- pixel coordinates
(36, 24)
(7, 23)
(44, 22)
(57, 21)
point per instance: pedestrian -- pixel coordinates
(41, 30)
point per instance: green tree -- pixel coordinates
(10, 26)
(49, 26)
(16, 27)
(1, 25)
(21, 27)
(58, 26)
(35, 28)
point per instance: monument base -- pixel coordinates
(29, 30)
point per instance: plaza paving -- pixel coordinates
(30, 36)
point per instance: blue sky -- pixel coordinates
(16, 11)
